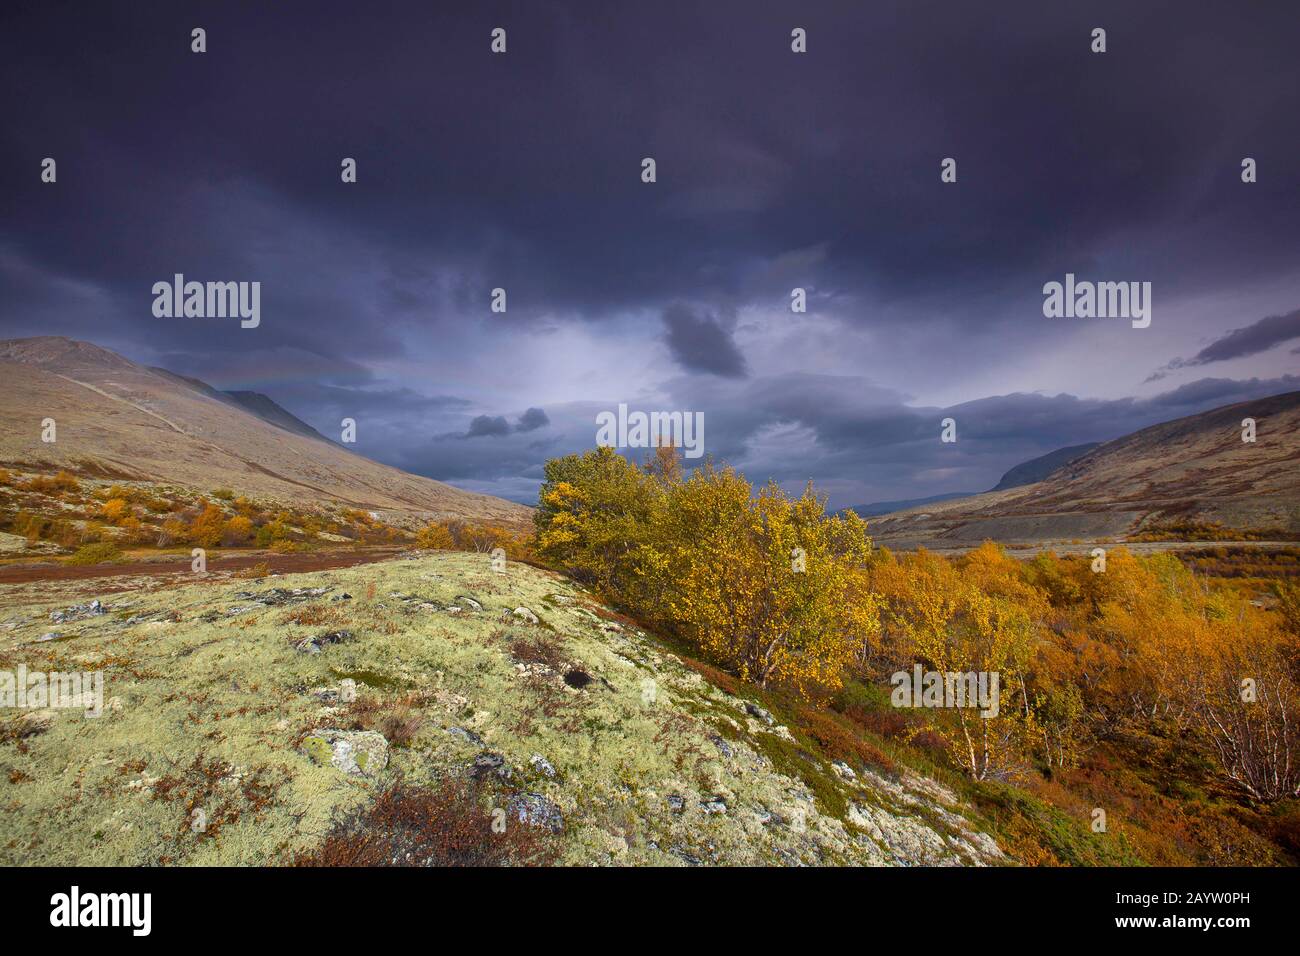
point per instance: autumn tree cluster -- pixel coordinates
(59, 508)
(767, 585)
(781, 593)
(459, 535)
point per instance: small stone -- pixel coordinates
(76, 612)
(356, 752)
(313, 645)
(466, 735)
(489, 763)
(713, 805)
(844, 770)
(542, 765)
(525, 615)
(536, 811)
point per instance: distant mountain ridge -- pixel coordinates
(1036, 469)
(263, 406)
(268, 411)
(1025, 473)
(885, 507)
(118, 419)
(1191, 471)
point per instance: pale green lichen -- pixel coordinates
(231, 691)
(318, 750)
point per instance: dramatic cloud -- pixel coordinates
(1252, 339)
(484, 425)
(700, 343)
(496, 426)
(860, 443)
(531, 420)
(775, 170)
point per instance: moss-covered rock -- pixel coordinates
(352, 751)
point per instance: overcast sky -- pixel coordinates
(775, 170)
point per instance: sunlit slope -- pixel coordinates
(1195, 470)
(119, 419)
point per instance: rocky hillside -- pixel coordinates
(1194, 472)
(120, 420)
(225, 702)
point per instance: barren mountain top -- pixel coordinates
(117, 419)
(60, 353)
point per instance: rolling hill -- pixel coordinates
(1025, 473)
(877, 508)
(1036, 469)
(1194, 471)
(117, 419)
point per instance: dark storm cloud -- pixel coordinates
(873, 441)
(869, 442)
(497, 426)
(1250, 340)
(531, 420)
(486, 425)
(1212, 392)
(521, 171)
(701, 343)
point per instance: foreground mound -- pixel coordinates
(230, 731)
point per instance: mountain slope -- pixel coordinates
(118, 419)
(886, 507)
(1036, 469)
(1195, 469)
(268, 411)
(1025, 473)
(263, 406)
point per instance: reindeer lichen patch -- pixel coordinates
(268, 747)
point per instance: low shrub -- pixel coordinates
(443, 825)
(97, 553)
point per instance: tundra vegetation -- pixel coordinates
(1150, 689)
(94, 520)
(1162, 690)
(429, 709)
